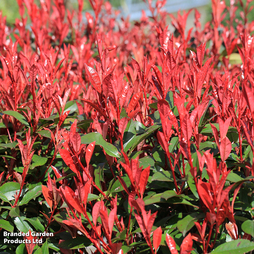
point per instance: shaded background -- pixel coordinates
(133, 8)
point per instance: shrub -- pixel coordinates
(125, 138)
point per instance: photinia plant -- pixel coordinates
(126, 137)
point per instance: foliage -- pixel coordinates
(240, 13)
(121, 138)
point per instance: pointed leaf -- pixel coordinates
(171, 244)
(97, 137)
(89, 152)
(186, 246)
(157, 238)
(234, 247)
(94, 78)
(16, 115)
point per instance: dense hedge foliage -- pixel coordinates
(126, 138)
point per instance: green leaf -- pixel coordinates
(35, 223)
(6, 225)
(132, 129)
(66, 177)
(72, 106)
(146, 162)
(157, 198)
(22, 225)
(21, 249)
(187, 223)
(8, 157)
(248, 227)
(117, 186)
(163, 176)
(14, 212)
(9, 145)
(239, 246)
(31, 194)
(235, 58)
(84, 124)
(98, 175)
(170, 99)
(45, 248)
(37, 250)
(9, 190)
(4, 198)
(173, 143)
(142, 137)
(169, 194)
(233, 177)
(2, 125)
(76, 243)
(17, 115)
(45, 133)
(92, 197)
(153, 105)
(38, 161)
(97, 137)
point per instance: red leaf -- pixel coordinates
(123, 184)
(57, 173)
(134, 101)
(30, 243)
(136, 66)
(201, 53)
(143, 180)
(186, 246)
(142, 226)
(58, 66)
(73, 127)
(158, 74)
(89, 18)
(32, 73)
(62, 117)
(225, 148)
(68, 160)
(186, 128)
(157, 238)
(150, 221)
(1, 176)
(216, 134)
(202, 75)
(47, 196)
(116, 248)
(129, 173)
(69, 195)
(167, 118)
(96, 211)
(75, 141)
(94, 78)
(249, 96)
(232, 230)
(111, 217)
(122, 125)
(89, 152)
(87, 189)
(171, 244)
(203, 191)
(96, 107)
(224, 127)
(104, 219)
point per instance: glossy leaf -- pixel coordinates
(98, 139)
(17, 115)
(248, 227)
(234, 247)
(157, 238)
